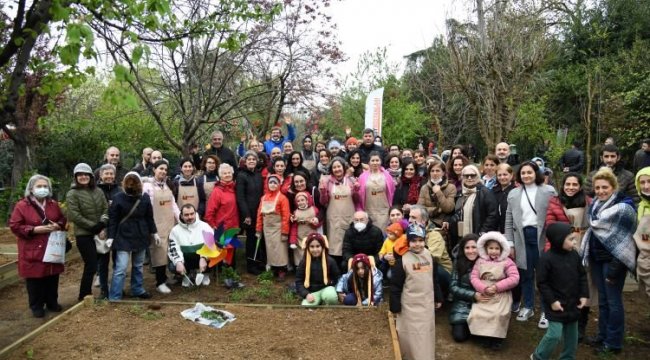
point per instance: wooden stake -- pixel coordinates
(393, 335)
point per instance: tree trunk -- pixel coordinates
(587, 119)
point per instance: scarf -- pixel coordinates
(396, 174)
(577, 200)
(612, 223)
(324, 170)
(468, 206)
(414, 189)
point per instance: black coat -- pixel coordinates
(364, 152)
(561, 277)
(485, 216)
(368, 241)
(134, 233)
(316, 282)
(249, 190)
(110, 190)
(574, 159)
(225, 155)
(501, 197)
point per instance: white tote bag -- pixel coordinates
(55, 250)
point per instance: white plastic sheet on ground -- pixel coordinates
(195, 314)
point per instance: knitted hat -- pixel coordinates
(333, 144)
(415, 231)
(362, 258)
(82, 168)
(322, 240)
(556, 233)
(396, 229)
(351, 140)
(274, 178)
(306, 195)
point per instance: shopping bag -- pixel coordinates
(55, 250)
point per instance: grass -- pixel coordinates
(29, 353)
(139, 311)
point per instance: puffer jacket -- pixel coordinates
(345, 285)
(463, 293)
(87, 209)
(439, 205)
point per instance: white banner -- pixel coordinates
(374, 104)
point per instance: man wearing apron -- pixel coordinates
(165, 215)
(273, 221)
(412, 298)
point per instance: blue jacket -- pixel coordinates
(270, 143)
(344, 286)
(134, 233)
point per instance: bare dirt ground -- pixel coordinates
(106, 331)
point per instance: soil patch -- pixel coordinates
(6, 236)
(111, 331)
(4, 259)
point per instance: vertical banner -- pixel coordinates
(374, 104)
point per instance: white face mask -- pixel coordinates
(41, 192)
(359, 226)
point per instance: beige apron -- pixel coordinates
(163, 216)
(303, 217)
(578, 220)
(276, 249)
(416, 328)
(309, 164)
(491, 318)
(340, 212)
(208, 187)
(188, 195)
(376, 201)
(642, 240)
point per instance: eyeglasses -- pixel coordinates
(469, 176)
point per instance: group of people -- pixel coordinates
(352, 218)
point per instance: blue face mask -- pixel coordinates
(41, 192)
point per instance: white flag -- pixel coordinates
(374, 104)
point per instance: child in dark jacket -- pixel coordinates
(562, 282)
(317, 274)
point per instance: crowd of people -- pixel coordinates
(354, 218)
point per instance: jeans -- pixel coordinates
(460, 332)
(611, 320)
(527, 276)
(119, 273)
(87, 249)
(558, 332)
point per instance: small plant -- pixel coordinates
(230, 273)
(152, 315)
(240, 295)
(267, 275)
(288, 297)
(30, 353)
(136, 310)
(265, 290)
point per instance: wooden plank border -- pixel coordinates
(9, 271)
(393, 335)
(227, 305)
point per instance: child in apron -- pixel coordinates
(273, 221)
(494, 275)
(413, 299)
(304, 220)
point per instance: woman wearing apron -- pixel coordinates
(273, 221)
(165, 215)
(413, 299)
(210, 177)
(188, 189)
(376, 189)
(339, 194)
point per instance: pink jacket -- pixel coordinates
(390, 188)
(510, 281)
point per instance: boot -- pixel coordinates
(582, 323)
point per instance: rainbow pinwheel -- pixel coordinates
(221, 250)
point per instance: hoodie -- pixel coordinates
(561, 276)
(644, 204)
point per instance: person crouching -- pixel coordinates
(185, 239)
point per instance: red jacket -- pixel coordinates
(555, 213)
(31, 247)
(222, 206)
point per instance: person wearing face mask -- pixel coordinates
(475, 210)
(642, 234)
(33, 219)
(571, 207)
(362, 237)
(610, 157)
(437, 195)
(277, 140)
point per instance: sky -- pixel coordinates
(403, 26)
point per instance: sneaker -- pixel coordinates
(186, 282)
(163, 289)
(516, 307)
(145, 295)
(206, 280)
(605, 351)
(543, 323)
(38, 313)
(293, 247)
(525, 314)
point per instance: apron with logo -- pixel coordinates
(303, 218)
(188, 195)
(309, 164)
(163, 216)
(491, 318)
(276, 249)
(340, 211)
(416, 328)
(642, 240)
(208, 186)
(578, 221)
(376, 201)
